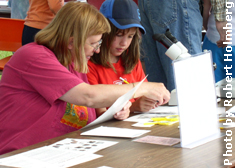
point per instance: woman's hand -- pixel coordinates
(124, 113)
(154, 91)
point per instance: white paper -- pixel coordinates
(144, 117)
(115, 132)
(165, 110)
(47, 157)
(173, 110)
(141, 124)
(82, 145)
(65, 153)
(116, 107)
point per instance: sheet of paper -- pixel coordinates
(158, 140)
(47, 157)
(145, 117)
(173, 110)
(115, 132)
(116, 107)
(65, 153)
(82, 145)
(169, 110)
(141, 124)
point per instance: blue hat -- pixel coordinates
(123, 14)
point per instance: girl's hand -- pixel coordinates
(143, 104)
(124, 113)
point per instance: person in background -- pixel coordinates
(19, 8)
(183, 19)
(219, 10)
(119, 59)
(213, 22)
(39, 15)
(45, 82)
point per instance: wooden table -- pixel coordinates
(129, 154)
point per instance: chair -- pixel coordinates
(10, 36)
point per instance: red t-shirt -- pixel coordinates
(100, 75)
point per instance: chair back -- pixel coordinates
(11, 34)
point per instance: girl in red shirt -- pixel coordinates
(119, 56)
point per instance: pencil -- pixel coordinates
(124, 80)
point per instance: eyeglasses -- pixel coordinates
(97, 46)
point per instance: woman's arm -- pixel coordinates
(99, 96)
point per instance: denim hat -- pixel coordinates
(123, 14)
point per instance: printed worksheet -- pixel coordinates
(48, 157)
(82, 145)
(65, 153)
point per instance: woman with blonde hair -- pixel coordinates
(44, 88)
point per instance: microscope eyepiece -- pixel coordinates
(163, 40)
(170, 36)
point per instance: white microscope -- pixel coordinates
(175, 51)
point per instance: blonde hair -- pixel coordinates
(78, 20)
(130, 57)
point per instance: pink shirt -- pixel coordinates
(30, 111)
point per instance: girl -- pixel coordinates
(119, 57)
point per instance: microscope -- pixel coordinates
(176, 51)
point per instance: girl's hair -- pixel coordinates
(129, 57)
(78, 20)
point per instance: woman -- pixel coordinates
(46, 78)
